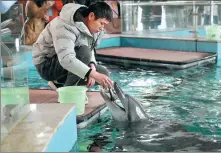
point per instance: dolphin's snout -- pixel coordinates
(131, 109)
(120, 94)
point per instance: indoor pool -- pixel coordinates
(185, 105)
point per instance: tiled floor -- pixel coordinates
(43, 96)
(153, 54)
(34, 132)
(10, 121)
(50, 96)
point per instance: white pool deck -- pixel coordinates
(35, 125)
(34, 132)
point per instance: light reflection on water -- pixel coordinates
(185, 105)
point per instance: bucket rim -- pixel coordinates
(84, 88)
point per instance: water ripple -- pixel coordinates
(185, 106)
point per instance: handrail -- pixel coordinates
(5, 23)
(5, 31)
(174, 3)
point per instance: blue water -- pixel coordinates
(186, 106)
(35, 81)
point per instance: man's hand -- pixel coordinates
(91, 81)
(101, 79)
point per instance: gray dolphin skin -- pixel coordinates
(131, 109)
(144, 133)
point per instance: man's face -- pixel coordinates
(96, 25)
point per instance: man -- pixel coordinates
(64, 50)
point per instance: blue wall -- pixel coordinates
(219, 55)
(66, 135)
(165, 44)
(210, 47)
(110, 42)
(154, 43)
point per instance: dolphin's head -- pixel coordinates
(130, 110)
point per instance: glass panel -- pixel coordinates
(14, 77)
(127, 16)
(171, 19)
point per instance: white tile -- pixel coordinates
(10, 122)
(35, 131)
(25, 142)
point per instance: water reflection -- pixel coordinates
(184, 106)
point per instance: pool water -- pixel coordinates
(35, 81)
(185, 105)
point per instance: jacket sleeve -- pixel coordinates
(64, 43)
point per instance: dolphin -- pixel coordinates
(131, 109)
(151, 134)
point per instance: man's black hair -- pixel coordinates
(39, 3)
(67, 1)
(100, 10)
(83, 2)
(86, 2)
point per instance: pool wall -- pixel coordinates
(190, 45)
(68, 128)
(219, 54)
